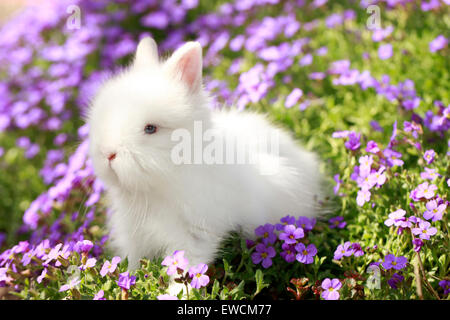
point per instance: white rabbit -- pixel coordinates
(159, 206)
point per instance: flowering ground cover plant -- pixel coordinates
(363, 83)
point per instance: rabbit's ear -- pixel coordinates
(146, 53)
(185, 65)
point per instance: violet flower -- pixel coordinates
(263, 254)
(331, 289)
(305, 254)
(199, 278)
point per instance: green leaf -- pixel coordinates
(259, 277)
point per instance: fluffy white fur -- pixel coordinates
(159, 207)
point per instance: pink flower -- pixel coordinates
(439, 43)
(429, 174)
(424, 231)
(434, 210)
(424, 190)
(396, 218)
(429, 156)
(199, 278)
(331, 289)
(109, 267)
(391, 261)
(378, 178)
(385, 51)
(291, 233)
(89, 263)
(365, 163)
(99, 295)
(126, 281)
(293, 97)
(363, 197)
(175, 261)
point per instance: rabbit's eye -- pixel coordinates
(149, 129)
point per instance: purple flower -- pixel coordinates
(418, 244)
(429, 174)
(340, 134)
(410, 104)
(305, 254)
(303, 105)
(32, 151)
(391, 261)
(109, 267)
(293, 98)
(83, 246)
(89, 264)
(434, 210)
(377, 178)
(26, 259)
(338, 183)
(306, 223)
(343, 250)
(439, 43)
(288, 253)
(363, 196)
(158, 20)
(175, 261)
(425, 190)
(237, 42)
(365, 165)
(317, 75)
(337, 222)
(380, 34)
(126, 281)
(354, 141)
(306, 60)
(376, 126)
(331, 289)
(412, 127)
(372, 147)
(395, 280)
(396, 218)
(199, 278)
(429, 156)
(357, 250)
(333, 20)
(267, 233)
(432, 4)
(264, 254)
(322, 51)
(445, 285)
(284, 222)
(424, 231)
(385, 51)
(393, 157)
(249, 243)
(99, 295)
(291, 233)
(53, 254)
(42, 276)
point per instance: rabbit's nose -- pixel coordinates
(111, 156)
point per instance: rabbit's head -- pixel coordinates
(133, 116)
